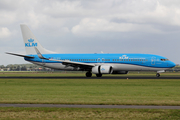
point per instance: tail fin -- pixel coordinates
(30, 41)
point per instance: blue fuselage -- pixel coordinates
(141, 60)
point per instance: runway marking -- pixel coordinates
(91, 106)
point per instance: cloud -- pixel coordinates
(63, 9)
(4, 32)
(89, 25)
(70, 24)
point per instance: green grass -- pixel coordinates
(88, 113)
(91, 91)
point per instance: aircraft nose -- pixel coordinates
(172, 64)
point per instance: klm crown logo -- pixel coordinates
(30, 43)
(31, 40)
(102, 69)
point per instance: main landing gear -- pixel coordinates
(88, 74)
(98, 75)
(157, 75)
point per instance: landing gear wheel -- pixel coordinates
(88, 74)
(157, 75)
(98, 75)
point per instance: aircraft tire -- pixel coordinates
(88, 74)
(98, 75)
(157, 75)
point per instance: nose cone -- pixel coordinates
(172, 64)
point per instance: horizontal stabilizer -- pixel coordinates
(19, 55)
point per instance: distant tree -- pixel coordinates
(2, 66)
(24, 68)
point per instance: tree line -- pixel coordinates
(23, 67)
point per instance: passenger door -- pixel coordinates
(153, 60)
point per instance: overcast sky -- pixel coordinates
(92, 26)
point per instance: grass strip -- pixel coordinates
(91, 91)
(87, 113)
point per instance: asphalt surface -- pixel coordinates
(91, 106)
(76, 77)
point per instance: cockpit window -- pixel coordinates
(164, 60)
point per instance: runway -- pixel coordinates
(77, 77)
(91, 106)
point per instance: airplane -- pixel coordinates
(98, 64)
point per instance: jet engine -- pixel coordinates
(102, 69)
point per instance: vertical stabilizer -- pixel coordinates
(30, 41)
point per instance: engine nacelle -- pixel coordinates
(102, 69)
(120, 72)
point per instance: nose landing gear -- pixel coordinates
(157, 75)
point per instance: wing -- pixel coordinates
(81, 65)
(75, 64)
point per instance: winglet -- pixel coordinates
(39, 54)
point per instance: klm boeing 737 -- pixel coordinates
(92, 63)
